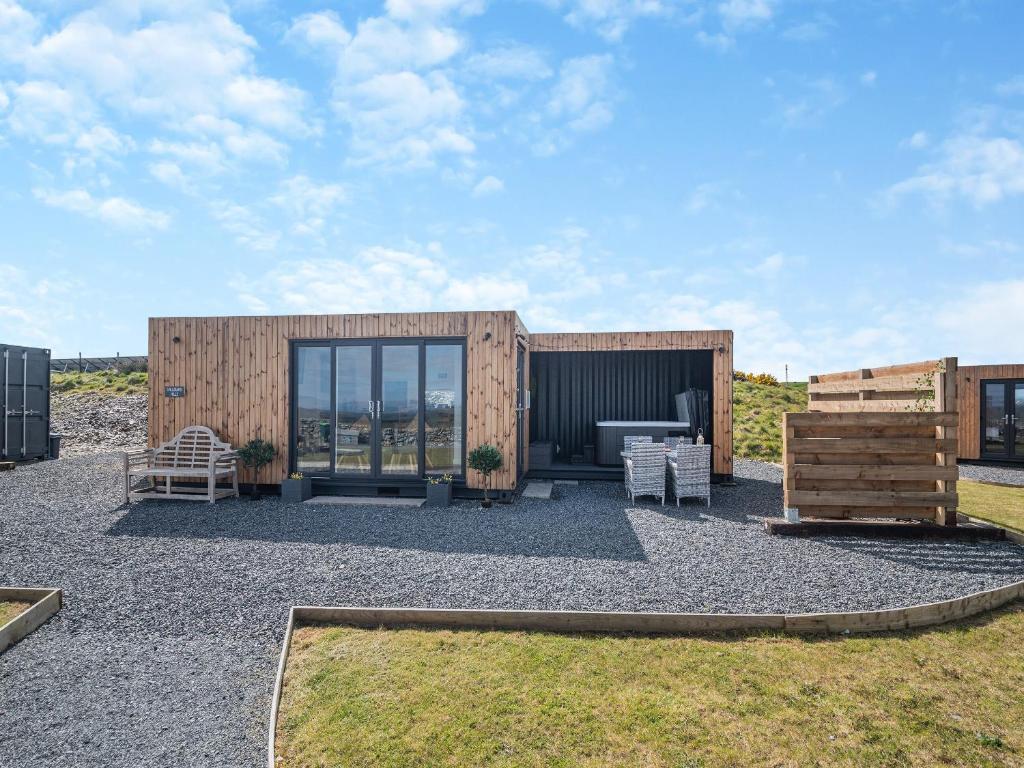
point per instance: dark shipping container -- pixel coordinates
(25, 390)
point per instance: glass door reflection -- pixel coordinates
(353, 437)
(313, 410)
(399, 409)
(1017, 420)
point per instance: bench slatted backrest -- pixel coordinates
(191, 448)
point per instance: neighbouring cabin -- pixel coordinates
(991, 404)
(372, 404)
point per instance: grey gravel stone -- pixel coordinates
(89, 422)
(1007, 475)
(165, 651)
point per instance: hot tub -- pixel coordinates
(609, 435)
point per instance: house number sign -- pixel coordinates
(174, 391)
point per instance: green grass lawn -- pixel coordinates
(994, 503)
(10, 609)
(757, 417)
(105, 382)
(951, 696)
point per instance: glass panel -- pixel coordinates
(1018, 422)
(313, 410)
(995, 418)
(400, 409)
(353, 443)
(443, 403)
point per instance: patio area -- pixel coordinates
(166, 648)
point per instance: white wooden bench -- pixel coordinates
(193, 455)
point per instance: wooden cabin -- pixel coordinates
(991, 405)
(375, 403)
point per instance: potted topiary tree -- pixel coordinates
(296, 487)
(256, 454)
(485, 459)
(439, 490)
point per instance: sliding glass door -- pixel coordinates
(384, 409)
(399, 409)
(1002, 419)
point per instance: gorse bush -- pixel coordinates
(756, 378)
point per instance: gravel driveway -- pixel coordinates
(166, 648)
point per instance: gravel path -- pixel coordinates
(1007, 475)
(165, 651)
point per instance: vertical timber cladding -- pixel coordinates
(720, 342)
(969, 378)
(235, 371)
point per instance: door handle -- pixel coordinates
(370, 407)
(379, 409)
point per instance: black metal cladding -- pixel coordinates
(25, 393)
(570, 391)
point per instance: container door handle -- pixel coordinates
(370, 407)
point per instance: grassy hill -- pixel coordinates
(757, 408)
(757, 417)
(105, 382)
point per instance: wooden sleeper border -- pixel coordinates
(894, 619)
(44, 604)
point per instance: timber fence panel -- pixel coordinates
(862, 466)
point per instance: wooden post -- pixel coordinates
(811, 396)
(946, 402)
(788, 460)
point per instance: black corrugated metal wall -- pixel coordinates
(569, 391)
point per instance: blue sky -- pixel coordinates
(841, 183)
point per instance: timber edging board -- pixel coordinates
(44, 604)
(889, 530)
(893, 619)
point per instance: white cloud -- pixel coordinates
(980, 169)
(738, 14)
(429, 9)
(269, 103)
(983, 249)
(966, 325)
(488, 185)
(810, 31)
(612, 18)
(170, 173)
(1012, 87)
(711, 195)
(769, 266)
(816, 98)
(33, 309)
(405, 120)
(718, 41)
(118, 211)
(245, 226)
(162, 64)
(919, 140)
(383, 45)
(868, 78)
(508, 62)
(319, 31)
(582, 95)
(309, 203)
(45, 112)
(18, 29)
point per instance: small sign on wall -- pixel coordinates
(174, 391)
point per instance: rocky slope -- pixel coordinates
(92, 422)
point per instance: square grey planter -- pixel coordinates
(296, 491)
(439, 494)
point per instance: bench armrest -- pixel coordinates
(141, 457)
(229, 459)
